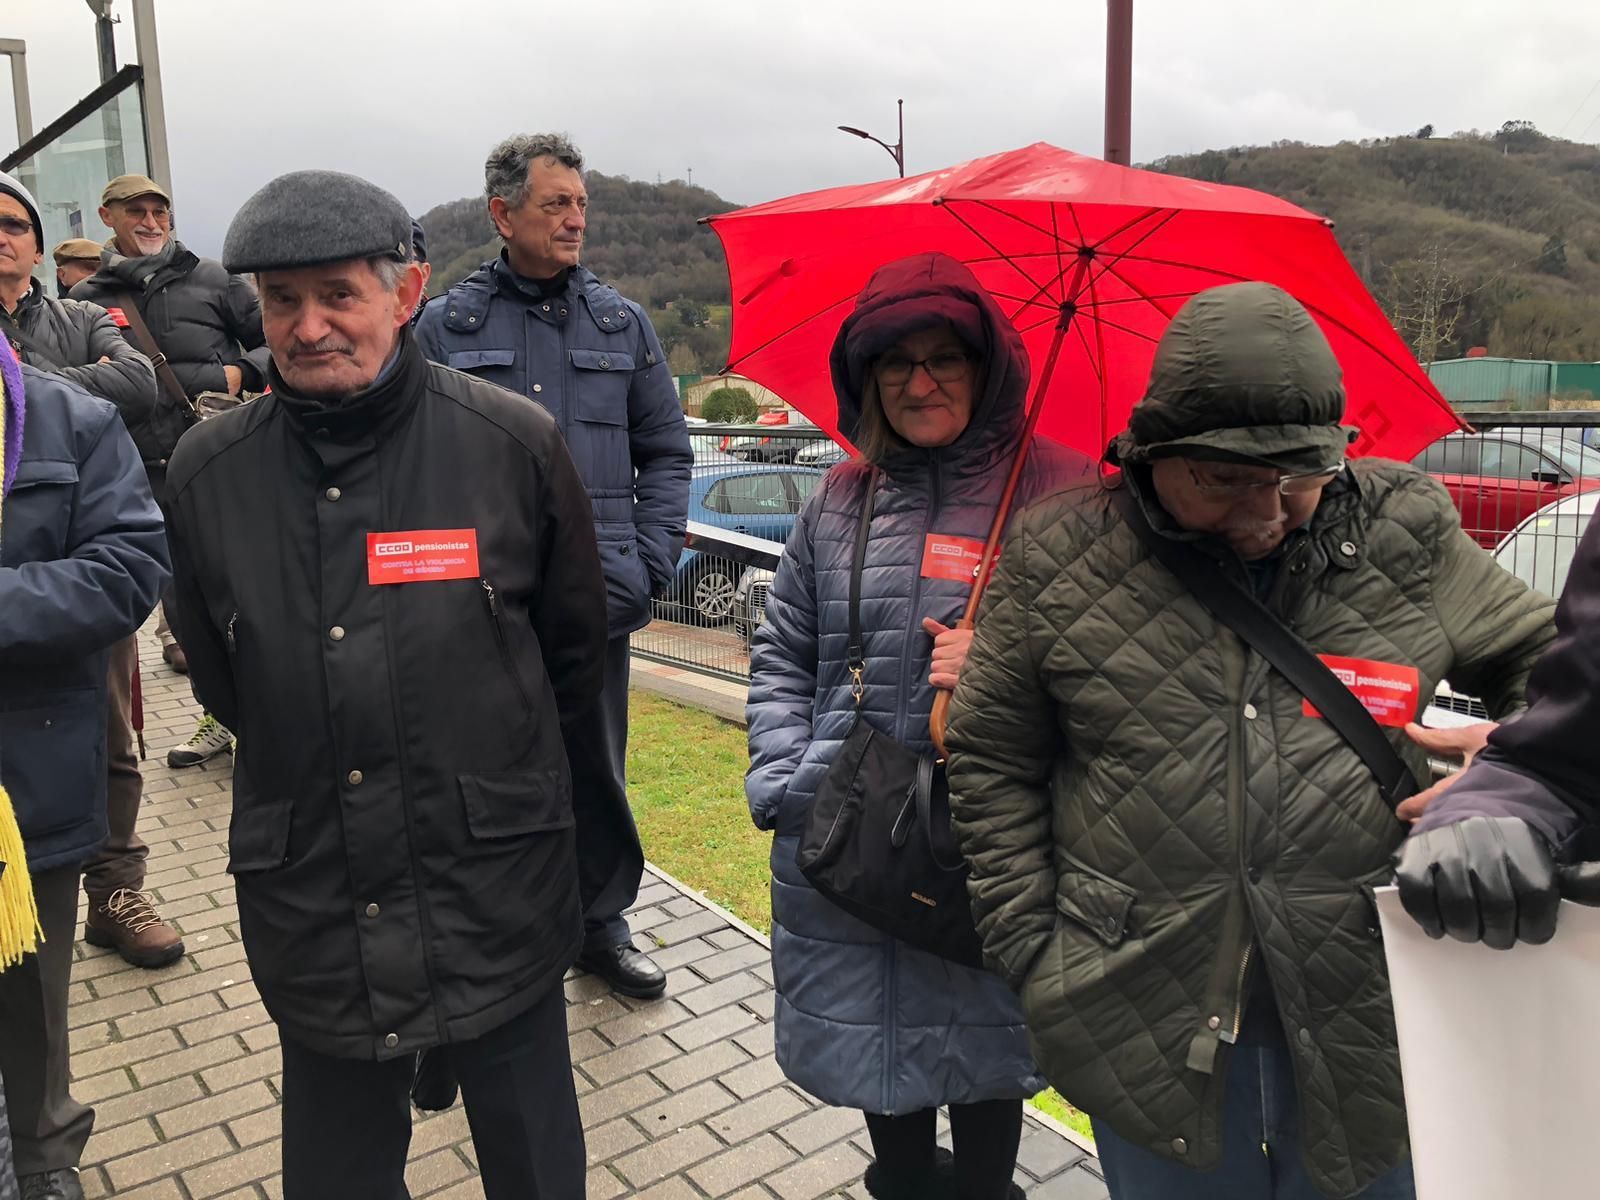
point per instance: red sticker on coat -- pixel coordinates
(1388, 691)
(422, 556)
(946, 557)
(118, 317)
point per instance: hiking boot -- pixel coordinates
(172, 654)
(127, 922)
(210, 739)
(52, 1185)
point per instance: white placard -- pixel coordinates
(1501, 1055)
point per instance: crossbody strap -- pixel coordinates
(38, 356)
(1261, 629)
(856, 654)
(147, 345)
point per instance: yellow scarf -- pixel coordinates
(20, 932)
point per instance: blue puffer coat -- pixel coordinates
(864, 1021)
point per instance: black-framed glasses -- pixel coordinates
(14, 226)
(1296, 484)
(942, 368)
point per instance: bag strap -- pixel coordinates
(147, 345)
(856, 654)
(39, 357)
(1260, 628)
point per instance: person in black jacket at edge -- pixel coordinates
(388, 587)
(1482, 862)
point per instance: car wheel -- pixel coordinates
(713, 595)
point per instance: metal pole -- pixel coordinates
(900, 146)
(17, 50)
(1119, 80)
(105, 32)
(155, 108)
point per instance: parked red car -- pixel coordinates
(1500, 477)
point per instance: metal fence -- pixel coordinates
(1526, 485)
(747, 486)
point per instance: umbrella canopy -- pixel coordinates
(1064, 242)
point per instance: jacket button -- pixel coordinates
(625, 550)
(1179, 1146)
(538, 387)
(333, 494)
(563, 312)
(605, 364)
(1305, 1037)
(605, 320)
(472, 320)
(392, 1040)
(1253, 874)
(337, 633)
(546, 308)
(355, 778)
(372, 910)
(1348, 549)
(1250, 712)
(1213, 1022)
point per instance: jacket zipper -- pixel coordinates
(891, 1005)
(914, 622)
(505, 651)
(1238, 1007)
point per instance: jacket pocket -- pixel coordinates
(507, 804)
(258, 836)
(471, 360)
(39, 511)
(55, 769)
(1097, 902)
(604, 377)
(492, 600)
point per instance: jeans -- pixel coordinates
(1261, 1147)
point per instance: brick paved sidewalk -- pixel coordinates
(681, 1097)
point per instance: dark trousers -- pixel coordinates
(1262, 1151)
(984, 1136)
(610, 859)
(347, 1122)
(48, 1127)
(120, 860)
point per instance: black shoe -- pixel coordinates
(626, 970)
(939, 1184)
(52, 1185)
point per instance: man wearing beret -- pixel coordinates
(540, 323)
(205, 323)
(1172, 850)
(388, 585)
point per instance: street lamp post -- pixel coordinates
(17, 51)
(896, 151)
(1119, 80)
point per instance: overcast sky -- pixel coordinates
(746, 93)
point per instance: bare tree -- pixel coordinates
(1424, 301)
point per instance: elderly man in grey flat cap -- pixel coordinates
(388, 587)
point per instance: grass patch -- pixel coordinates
(686, 784)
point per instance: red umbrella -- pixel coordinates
(1089, 260)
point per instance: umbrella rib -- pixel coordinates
(1137, 290)
(1105, 382)
(1023, 221)
(777, 337)
(1165, 213)
(1039, 288)
(1142, 336)
(1113, 258)
(1088, 352)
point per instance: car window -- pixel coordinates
(1580, 461)
(803, 483)
(1452, 456)
(716, 500)
(1540, 552)
(1512, 460)
(754, 495)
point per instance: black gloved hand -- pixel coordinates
(1489, 879)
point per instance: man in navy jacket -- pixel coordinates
(82, 562)
(536, 322)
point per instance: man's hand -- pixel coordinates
(949, 653)
(1488, 879)
(1463, 742)
(235, 378)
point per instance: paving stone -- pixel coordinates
(101, 1087)
(683, 1108)
(819, 1173)
(1044, 1152)
(601, 1184)
(168, 1158)
(123, 1139)
(683, 953)
(437, 1170)
(822, 1127)
(1077, 1184)
(669, 1155)
(725, 1022)
(721, 994)
(740, 957)
(628, 1060)
(163, 1098)
(702, 1064)
(186, 1062)
(602, 1105)
(755, 1042)
(765, 1112)
(240, 1167)
(731, 939)
(231, 1074)
(150, 1017)
(651, 1019)
(611, 1139)
(687, 927)
(741, 1165)
(126, 1054)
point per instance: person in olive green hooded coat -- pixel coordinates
(1171, 860)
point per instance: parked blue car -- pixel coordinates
(758, 499)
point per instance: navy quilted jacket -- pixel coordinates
(864, 1021)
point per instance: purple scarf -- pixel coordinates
(11, 397)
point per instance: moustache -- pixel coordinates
(328, 345)
(1256, 530)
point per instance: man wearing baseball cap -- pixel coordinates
(388, 584)
(202, 327)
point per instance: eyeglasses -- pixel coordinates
(14, 226)
(942, 368)
(1298, 484)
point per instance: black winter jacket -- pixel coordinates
(69, 338)
(202, 318)
(402, 834)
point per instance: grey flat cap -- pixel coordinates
(309, 217)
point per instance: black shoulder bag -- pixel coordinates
(1277, 643)
(877, 842)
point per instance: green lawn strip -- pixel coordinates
(686, 783)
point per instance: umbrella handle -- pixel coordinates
(940, 715)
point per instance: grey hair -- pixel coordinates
(505, 171)
(388, 270)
